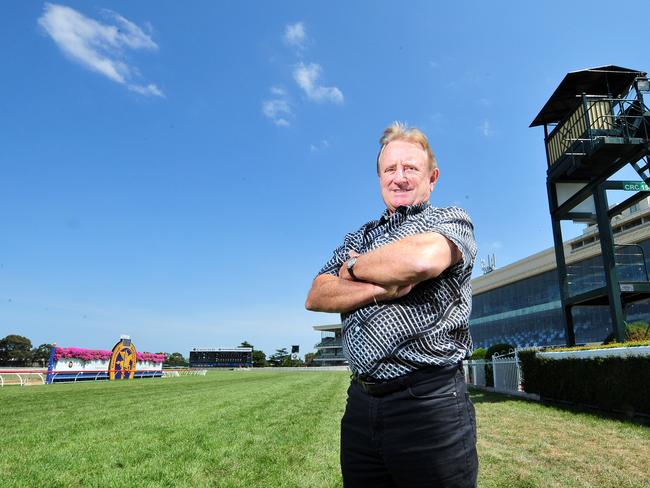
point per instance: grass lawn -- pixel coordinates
(274, 429)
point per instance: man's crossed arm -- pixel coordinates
(385, 273)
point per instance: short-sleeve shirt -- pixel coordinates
(428, 326)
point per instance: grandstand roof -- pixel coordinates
(332, 327)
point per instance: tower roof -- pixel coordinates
(603, 80)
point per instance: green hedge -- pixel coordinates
(619, 384)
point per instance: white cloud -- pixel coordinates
(150, 89)
(307, 76)
(99, 46)
(486, 128)
(321, 146)
(279, 91)
(295, 35)
(485, 102)
(278, 110)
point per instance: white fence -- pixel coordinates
(22, 378)
(475, 372)
(175, 373)
(27, 376)
(506, 372)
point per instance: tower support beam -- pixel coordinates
(609, 263)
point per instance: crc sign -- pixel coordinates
(635, 186)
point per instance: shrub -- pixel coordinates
(634, 331)
(599, 346)
(479, 353)
(612, 383)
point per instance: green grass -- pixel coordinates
(276, 429)
(525, 444)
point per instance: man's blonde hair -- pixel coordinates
(398, 131)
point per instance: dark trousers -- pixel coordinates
(422, 436)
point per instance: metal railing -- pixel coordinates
(506, 372)
(475, 372)
(175, 373)
(505, 369)
(21, 377)
(590, 274)
(329, 342)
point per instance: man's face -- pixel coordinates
(405, 175)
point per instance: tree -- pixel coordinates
(175, 359)
(15, 350)
(309, 358)
(259, 359)
(277, 359)
(41, 354)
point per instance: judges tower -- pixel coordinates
(595, 123)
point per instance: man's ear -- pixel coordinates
(434, 177)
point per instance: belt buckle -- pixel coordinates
(365, 385)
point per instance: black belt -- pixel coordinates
(385, 387)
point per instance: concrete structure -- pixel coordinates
(329, 351)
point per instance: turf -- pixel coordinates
(276, 429)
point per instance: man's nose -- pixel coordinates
(400, 174)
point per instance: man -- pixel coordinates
(401, 284)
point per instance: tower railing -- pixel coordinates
(596, 118)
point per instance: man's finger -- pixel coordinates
(353, 254)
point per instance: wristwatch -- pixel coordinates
(351, 263)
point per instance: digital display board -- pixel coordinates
(236, 357)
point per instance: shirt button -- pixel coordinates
(386, 234)
(357, 328)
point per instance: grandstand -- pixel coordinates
(519, 304)
(329, 350)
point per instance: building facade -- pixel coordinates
(519, 304)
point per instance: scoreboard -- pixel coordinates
(221, 357)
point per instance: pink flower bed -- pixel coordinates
(150, 356)
(80, 353)
(101, 355)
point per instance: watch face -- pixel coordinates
(351, 262)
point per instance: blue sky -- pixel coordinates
(179, 171)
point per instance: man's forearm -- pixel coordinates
(405, 262)
(330, 293)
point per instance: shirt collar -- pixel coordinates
(404, 211)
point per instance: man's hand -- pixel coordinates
(382, 292)
(392, 292)
(330, 293)
(343, 270)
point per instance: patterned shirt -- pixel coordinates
(429, 325)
